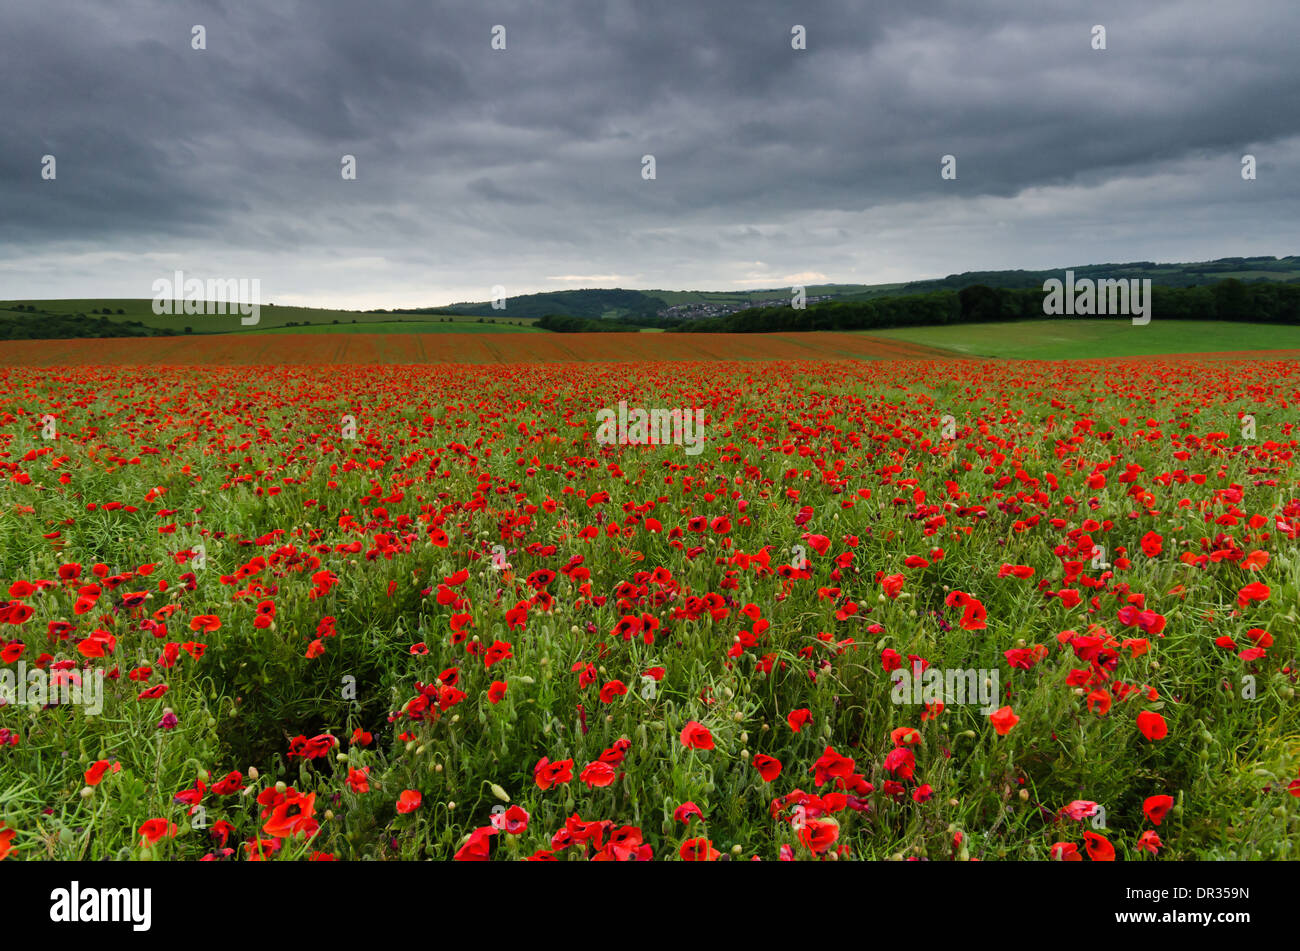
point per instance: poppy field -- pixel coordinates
(420, 611)
(293, 349)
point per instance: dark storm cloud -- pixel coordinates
(522, 166)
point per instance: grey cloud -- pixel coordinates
(478, 166)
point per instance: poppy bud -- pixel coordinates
(87, 792)
(252, 772)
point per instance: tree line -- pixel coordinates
(1229, 299)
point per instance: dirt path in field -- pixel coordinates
(310, 349)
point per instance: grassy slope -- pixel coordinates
(316, 319)
(1080, 338)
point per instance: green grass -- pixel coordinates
(271, 318)
(1090, 338)
(254, 466)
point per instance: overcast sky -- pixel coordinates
(523, 167)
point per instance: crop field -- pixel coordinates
(1066, 339)
(290, 349)
(897, 609)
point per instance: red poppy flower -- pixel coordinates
(597, 774)
(769, 767)
(97, 769)
(1255, 591)
(1098, 848)
(547, 774)
(1003, 720)
(698, 850)
(1155, 807)
(686, 810)
(409, 801)
(155, 829)
(1066, 852)
(1148, 841)
(696, 736)
(476, 847)
(1152, 725)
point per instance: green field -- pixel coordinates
(271, 318)
(1084, 338)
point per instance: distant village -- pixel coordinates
(705, 309)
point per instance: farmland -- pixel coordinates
(271, 318)
(305, 349)
(348, 599)
(1065, 339)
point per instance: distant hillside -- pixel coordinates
(1247, 270)
(619, 303)
(1230, 299)
(132, 317)
(26, 322)
(630, 310)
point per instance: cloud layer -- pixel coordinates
(523, 167)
